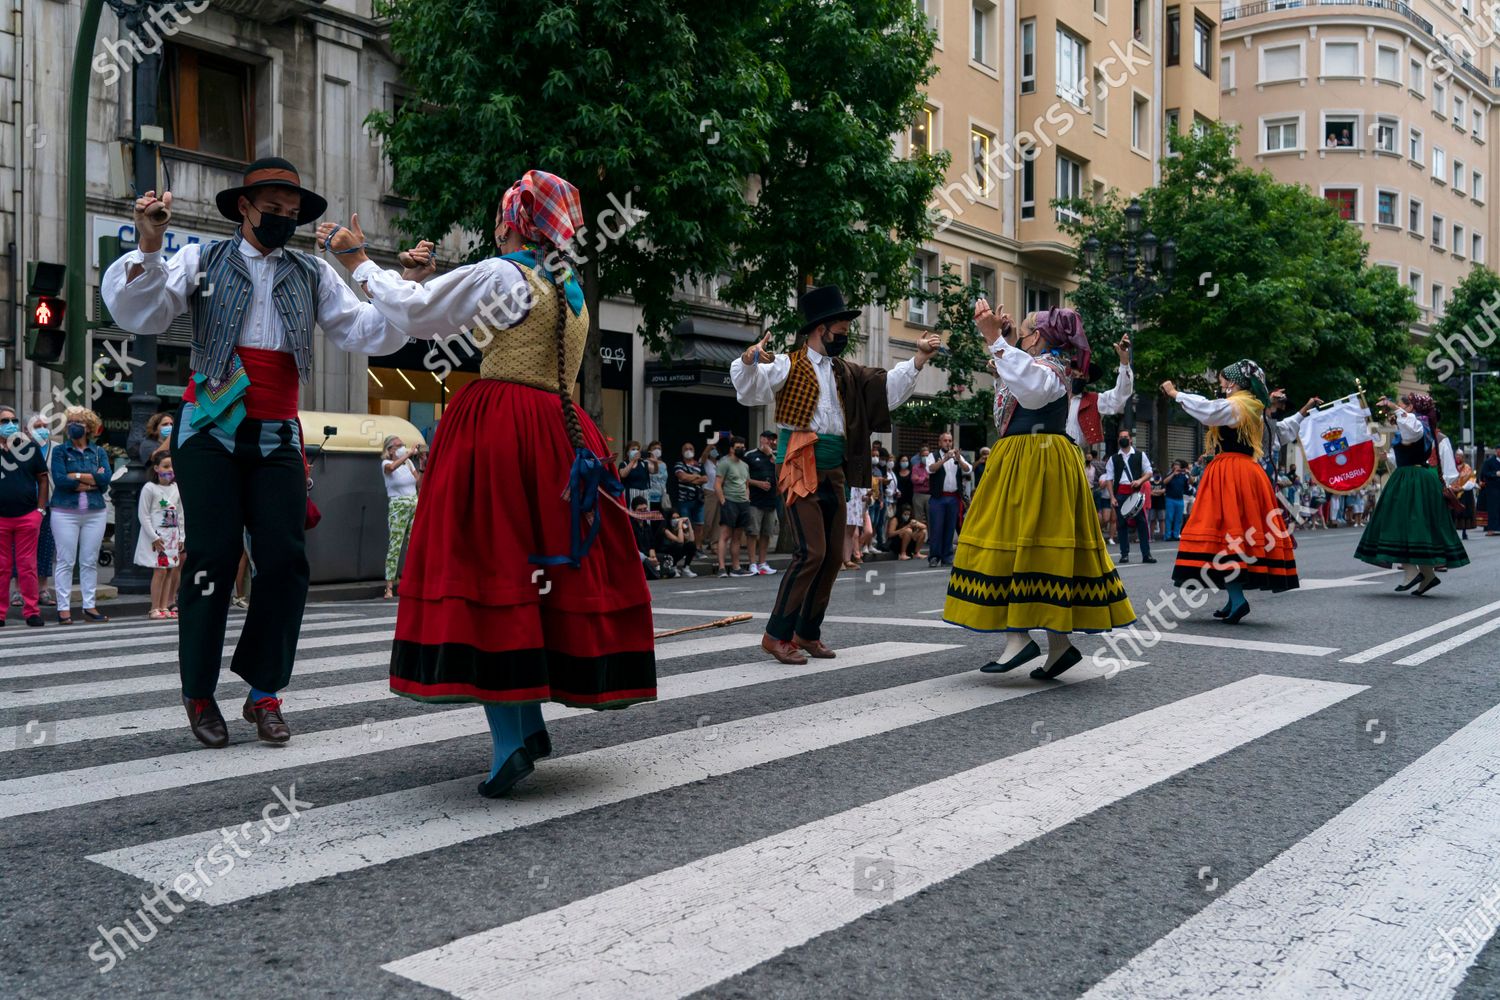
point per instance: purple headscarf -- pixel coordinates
(1063, 328)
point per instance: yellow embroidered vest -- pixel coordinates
(527, 352)
(797, 399)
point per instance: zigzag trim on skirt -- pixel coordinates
(457, 672)
(1036, 588)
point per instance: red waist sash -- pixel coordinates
(273, 392)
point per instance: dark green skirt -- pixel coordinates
(1412, 524)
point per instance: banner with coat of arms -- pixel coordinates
(1336, 440)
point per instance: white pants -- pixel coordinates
(78, 534)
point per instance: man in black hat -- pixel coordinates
(826, 409)
(237, 444)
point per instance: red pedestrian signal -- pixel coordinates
(48, 313)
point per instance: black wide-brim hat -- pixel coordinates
(270, 171)
(822, 305)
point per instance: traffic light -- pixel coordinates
(46, 339)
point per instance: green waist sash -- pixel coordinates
(828, 452)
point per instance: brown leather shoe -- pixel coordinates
(816, 648)
(206, 721)
(269, 725)
(783, 651)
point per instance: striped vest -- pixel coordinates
(797, 399)
(221, 304)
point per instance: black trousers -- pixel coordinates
(259, 486)
(817, 524)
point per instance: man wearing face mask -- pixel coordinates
(826, 410)
(1126, 472)
(237, 444)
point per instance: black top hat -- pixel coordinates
(270, 171)
(823, 305)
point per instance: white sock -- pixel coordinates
(1428, 572)
(1014, 643)
(1057, 645)
(1411, 572)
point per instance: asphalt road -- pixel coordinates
(1304, 805)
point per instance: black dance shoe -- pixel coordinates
(1069, 659)
(1428, 585)
(1028, 652)
(517, 766)
(539, 745)
(1222, 613)
(1238, 615)
(1402, 588)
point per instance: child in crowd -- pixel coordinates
(163, 537)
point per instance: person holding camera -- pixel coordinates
(679, 544)
(946, 469)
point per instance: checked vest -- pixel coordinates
(221, 303)
(797, 399)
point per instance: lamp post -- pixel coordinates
(1137, 269)
(1477, 372)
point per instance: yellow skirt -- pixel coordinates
(1031, 554)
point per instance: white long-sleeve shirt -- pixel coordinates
(159, 294)
(1110, 401)
(1409, 430)
(492, 293)
(1033, 384)
(756, 385)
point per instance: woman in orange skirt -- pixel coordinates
(1235, 538)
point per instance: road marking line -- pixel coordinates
(105, 782)
(32, 638)
(167, 634)
(1359, 907)
(372, 831)
(691, 927)
(1450, 644)
(1358, 580)
(1401, 641)
(171, 682)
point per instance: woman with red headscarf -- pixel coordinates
(1411, 526)
(1031, 555)
(522, 581)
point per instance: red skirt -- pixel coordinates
(476, 620)
(1236, 532)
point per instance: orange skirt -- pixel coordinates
(1236, 532)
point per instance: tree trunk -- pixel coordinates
(593, 393)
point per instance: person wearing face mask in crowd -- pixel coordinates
(636, 469)
(398, 467)
(23, 502)
(254, 303)
(1235, 538)
(656, 490)
(826, 410)
(158, 436)
(163, 538)
(40, 430)
(688, 481)
(80, 477)
(921, 498)
(905, 491)
(1125, 474)
(713, 533)
(946, 470)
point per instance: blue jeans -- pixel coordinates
(1174, 520)
(692, 510)
(943, 509)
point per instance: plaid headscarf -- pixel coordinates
(1248, 375)
(543, 206)
(1063, 328)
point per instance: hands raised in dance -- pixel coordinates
(347, 244)
(420, 262)
(992, 325)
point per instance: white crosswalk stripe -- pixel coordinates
(1391, 899)
(693, 926)
(12, 637)
(367, 832)
(165, 632)
(61, 789)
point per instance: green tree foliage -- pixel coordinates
(1463, 340)
(964, 357)
(1265, 270)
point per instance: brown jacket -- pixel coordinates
(866, 412)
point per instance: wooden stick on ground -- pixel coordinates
(731, 620)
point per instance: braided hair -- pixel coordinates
(557, 274)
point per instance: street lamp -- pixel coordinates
(1137, 269)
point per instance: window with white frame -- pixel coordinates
(1477, 249)
(931, 8)
(1280, 135)
(919, 310)
(1099, 8)
(1437, 298)
(1414, 145)
(1140, 124)
(1439, 163)
(1226, 71)
(1476, 185)
(1385, 134)
(1460, 240)
(1385, 208)
(1415, 283)
(983, 33)
(1100, 100)
(1467, 6)
(1440, 98)
(1459, 118)
(1281, 62)
(1072, 66)
(1173, 121)
(921, 131)
(1140, 21)
(1439, 230)
(1478, 129)
(1414, 215)
(1203, 45)
(980, 144)
(1341, 59)
(1415, 75)
(1028, 181)
(1341, 131)
(1346, 200)
(1028, 56)
(1458, 176)
(1388, 63)
(1069, 184)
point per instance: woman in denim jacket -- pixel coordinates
(80, 477)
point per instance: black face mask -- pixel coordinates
(1124, 442)
(837, 345)
(274, 231)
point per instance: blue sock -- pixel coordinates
(505, 731)
(1236, 597)
(256, 694)
(531, 718)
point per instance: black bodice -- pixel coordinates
(1411, 454)
(1049, 419)
(1230, 440)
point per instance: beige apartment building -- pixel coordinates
(1388, 110)
(1036, 100)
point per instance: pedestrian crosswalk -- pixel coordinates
(1383, 898)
